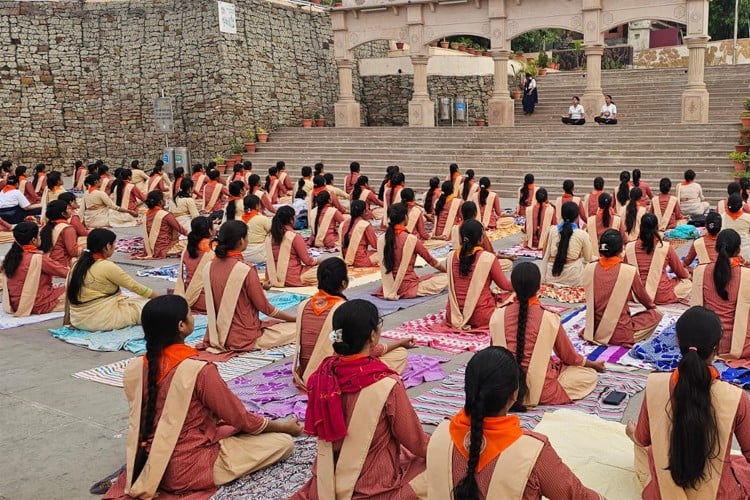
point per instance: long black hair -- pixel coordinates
(321, 200)
(541, 199)
(471, 233)
(118, 185)
(356, 319)
(300, 193)
(631, 211)
(186, 188)
(284, 216)
(484, 190)
(154, 199)
(526, 280)
(649, 232)
(727, 246)
(452, 169)
(95, 243)
(610, 244)
(273, 171)
(331, 275)
(200, 229)
(446, 190)
(230, 234)
(252, 181)
(434, 184)
(490, 381)
(235, 189)
(160, 318)
(528, 180)
(665, 185)
(569, 212)
(605, 201)
(389, 171)
(636, 177)
(396, 215)
(713, 223)
(467, 185)
(23, 234)
(397, 179)
(623, 191)
(56, 210)
(694, 438)
(357, 210)
(38, 170)
(362, 181)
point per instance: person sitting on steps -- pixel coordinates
(608, 116)
(576, 114)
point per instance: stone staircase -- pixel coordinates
(650, 137)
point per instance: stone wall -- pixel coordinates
(77, 79)
(717, 53)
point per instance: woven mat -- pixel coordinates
(568, 295)
(423, 333)
(503, 232)
(8, 321)
(521, 251)
(444, 401)
(131, 245)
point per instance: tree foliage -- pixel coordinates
(721, 19)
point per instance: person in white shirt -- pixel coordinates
(576, 114)
(14, 207)
(608, 116)
(529, 95)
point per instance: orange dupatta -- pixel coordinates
(499, 434)
(171, 356)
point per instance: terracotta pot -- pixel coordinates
(221, 168)
(433, 43)
(307, 122)
(742, 148)
(250, 147)
(479, 122)
(517, 95)
(519, 57)
(445, 45)
(315, 1)
(230, 162)
(399, 45)
(739, 166)
(745, 120)
(320, 123)
(237, 157)
(529, 60)
(462, 47)
(578, 68)
(263, 137)
(550, 65)
(542, 71)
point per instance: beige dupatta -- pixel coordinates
(81, 178)
(355, 237)
(593, 232)
(276, 269)
(28, 292)
(725, 400)
(615, 303)
(413, 216)
(199, 183)
(450, 221)
(509, 478)
(633, 234)
(325, 224)
(483, 265)
(125, 201)
(701, 251)
(220, 318)
(656, 268)
(559, 204)
(323, 346)
(22, 186)
(40, 183)
(489, 207)
(540, 356)
(150, 236)
(742, 311)
(664, 217)
(57, 231)
(546, 224)
(272, 189)
(392, 281)
(168, 427)
(338, 481)
(152, 183)
(211, 203)
(194, 288)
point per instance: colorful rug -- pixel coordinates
(521, 251)
(503, 232)
(168, 272)
(131, 245)
(421, 330)
(568, 295)
(387, 307)
(444, 401)
(357, 277)
(7, 321)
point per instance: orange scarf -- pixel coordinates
(609, 262)
(499, 434)
(9, 188)
(454, 175)
(736, 262)
(449, 198)
(475, 250)
(328, 301)
(249, 215)
(59, 221)
(196, 176)
(93, 188)
(714, 374)
(735, 215)
(21, 178)
(30, 248)
(171, 356)
(686, 183)
(235, 253)
(534, 300)
(99, 256)
(233, 198)
(410, 204)
(204, 245)
(152, 211)
(318, 190)
(399, 228)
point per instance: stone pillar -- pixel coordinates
(346, 108)
(593, 98)
(500, 105)
(695, 97)
(421, 108)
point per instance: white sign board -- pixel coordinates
(227, 18)
(163, 114)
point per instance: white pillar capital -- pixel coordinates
(696, 42)
(593, 50)
(420, 60)
(344, 63)
(500, 55)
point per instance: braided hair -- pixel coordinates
(446, 190)
(396, 215)
(649, 233)
(471, 235)
(357, 210)
(467, 185)
(484, 190)
(526, 279)
(362, 181)
(23, 234)
(541, 199)
(569, 214)
(321, 201)
(397, 179)
(56, 210)
(283, 217)
(623, 191)
(727, 246)
(636, 177)
(605, 201)
(631, 211)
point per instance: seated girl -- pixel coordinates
(609, 285)
(651, 255)
(456, 179)
(469, 187)
(488, 203)
(648, 195)
(73, 218)
(569, 197)
(471, 272)
(265, 200)
(288, 261)
(58, 238)
(194, 259)
(539, 219)
(732, 188)
(54, 188)
(286, 189)
(169, 385)
(184, 208)
(690, 196)
(39, 181)
(738, 220)
(567, 251)
(392, 195)
(27, 276)
(364, 193)
(234, 208)
(26, 187)
(157, 182)
(431, 197)
(724, 287)
(526, 194)
(397, 252)
(300, 206)
(603, 220)
(214, 196)
(128, 197)
(416, 221)
(370, 441)
(447, 213)
(460, 464)
(95, 301)
(96, 205)
(235, 298)
(272, 185)
(258, 228)
(161, 231)
(325, 220)
(632, 214)
(666, 207)
(591, 200)
(469, 212)
(532, 333)
(704, 248)
(179, 175)
(688, 421)
(199, 179)
(357, 237)
(103, 172)
(315, 323)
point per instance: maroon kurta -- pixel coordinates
(495, 210)
(442, 218)
(552, 392)
(214, 413)
(601, 228)
(331, 237)
(665, 291)
(536, 236)
(420, 231)
(75, 221)
(136, 196)
(581, 213)
(350, 181)
(65, 248)
(169, 233)
(29, 192)
(372, 199)
(369, 240)
(208, 191)
(47, 295)
(285, 186)
(410, 284)
(663, 200)
(299, 259)
(593, 202)
(710, 241)
(725, 309)
(191, 264)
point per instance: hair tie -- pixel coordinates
(87, 250)
(336, 336)
(693, 348)
(465, 239)
(603, 247)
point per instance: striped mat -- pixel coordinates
(444, 401)
(423, 332)
(521, 251)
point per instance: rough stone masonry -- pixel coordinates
(78, 78)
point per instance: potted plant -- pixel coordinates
(745, 133)
(542, 62)
(433, 43)
(578, 49)
(480, 122)
(262, 135)
(249, 140)
(555, 62)
(743, 145)
(745, 118)
(319, 121)
(399, 45)
(237, 148)
(444, 44)
(307, 122)
(454, 45)
(740, 160)
(519, 55)
(220, 165)
(518, 79)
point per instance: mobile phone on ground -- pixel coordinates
(614, 398)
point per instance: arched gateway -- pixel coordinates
(418, 22)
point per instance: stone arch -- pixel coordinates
(544, 27)
(436, 37)
(613, 24)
